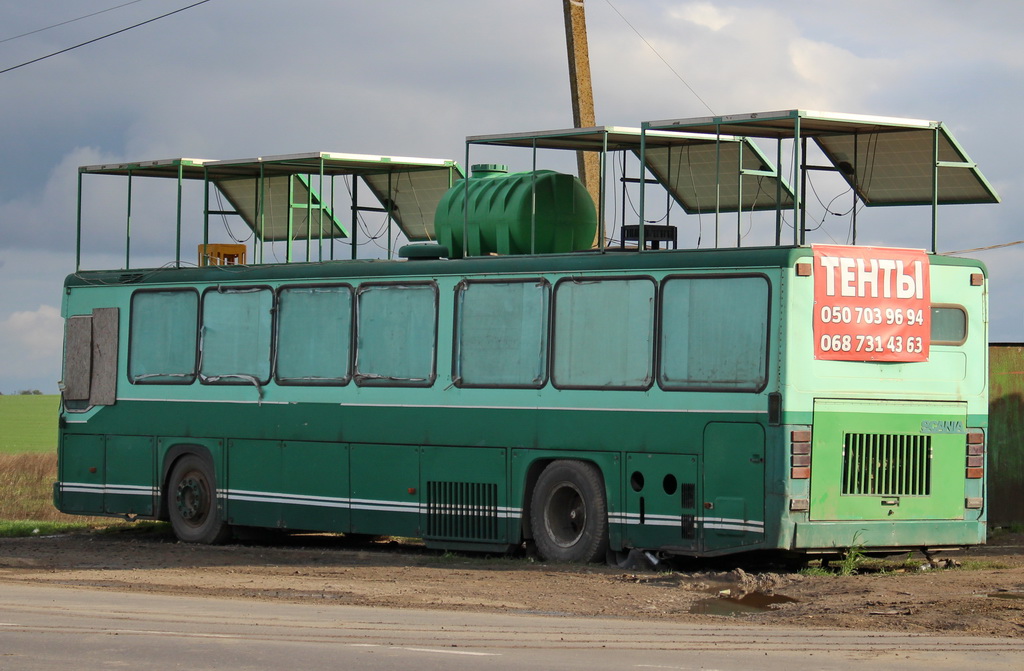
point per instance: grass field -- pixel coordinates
(28, 424)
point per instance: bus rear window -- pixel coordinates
(949, 325)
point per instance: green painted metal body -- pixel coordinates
(701, 472)
(537, 212)
(1006, 434)
(902, 493)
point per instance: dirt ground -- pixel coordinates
(982, 596)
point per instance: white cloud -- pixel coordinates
(705, 14)
(31, 331)
(835, 78)
(33, 340)
(38, 333)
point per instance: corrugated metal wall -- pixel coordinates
(1006, 434)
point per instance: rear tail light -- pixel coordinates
(975, 454)
(800, 454)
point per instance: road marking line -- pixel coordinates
(452, 652)
(157, 632)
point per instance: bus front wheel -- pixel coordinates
(192, 503)
(569, 513)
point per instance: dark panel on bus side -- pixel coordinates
(385, 490)
(81, 474)
(288, 484)
(465, 494)
(130, 475)
(318, 474)
(661, 501)
(733, 496)
(104, 356)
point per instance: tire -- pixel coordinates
(192, 502)
(569, 513)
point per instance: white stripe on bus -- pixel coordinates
(376, 505)
(456, 407)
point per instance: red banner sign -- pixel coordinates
(871, 304)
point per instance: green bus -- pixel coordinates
(506, 383)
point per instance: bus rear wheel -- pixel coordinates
(569, 513)
(192, 505)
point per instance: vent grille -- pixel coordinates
(882, 464)
(462, 510)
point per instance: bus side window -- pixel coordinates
(396, 334)
(314, 335)
(235, 336)
(604, 333)
(162, 340)
(501, 334)
(714, 333)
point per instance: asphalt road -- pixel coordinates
(64, 628)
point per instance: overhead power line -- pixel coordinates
(64, 23)
(656, 53)
(103, 37)
(985, 249)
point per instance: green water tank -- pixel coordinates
(500, 214)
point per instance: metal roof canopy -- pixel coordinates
(407, 189)
(685, 164)
(595, 138)
(190, 168)
(885, 160)
(682, 162)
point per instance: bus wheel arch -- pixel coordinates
(528, 486)
(569, 512)
(190, 496)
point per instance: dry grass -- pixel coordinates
(26, 490)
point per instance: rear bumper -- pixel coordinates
(889, 536)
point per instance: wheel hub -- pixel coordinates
(566, 517)
(190, 498)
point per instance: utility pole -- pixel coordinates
(588, 162)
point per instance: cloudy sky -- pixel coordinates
(239, 78)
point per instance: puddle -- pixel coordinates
(754, 602)
(1007, 595)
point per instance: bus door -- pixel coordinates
(733, 495)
